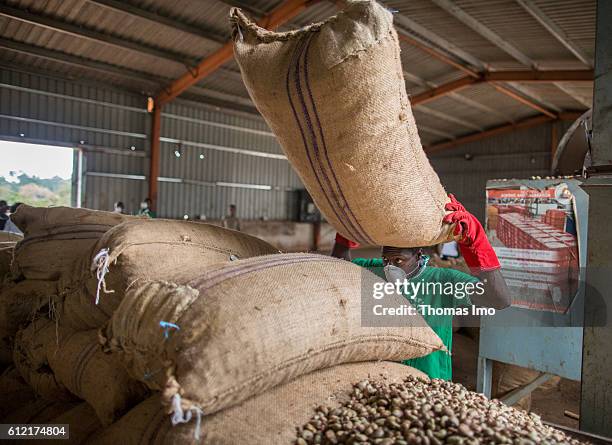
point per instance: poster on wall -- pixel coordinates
(533, 228)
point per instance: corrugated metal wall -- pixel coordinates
(225, 157)
(106, 122)
(520, 154)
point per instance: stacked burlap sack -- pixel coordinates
(54, 240)
(212, 346)
(65, 279)
(194, 318)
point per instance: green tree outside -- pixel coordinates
(36, 191)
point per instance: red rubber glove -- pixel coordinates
(474, 245)
(346, 242)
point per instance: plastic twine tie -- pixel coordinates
(166, 325)
(181, 416)
(101, 263)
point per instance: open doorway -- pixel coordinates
(39, 175)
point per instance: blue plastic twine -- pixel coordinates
(166, 325)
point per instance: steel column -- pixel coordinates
(155, 155)
(285, 12)
(596, 389)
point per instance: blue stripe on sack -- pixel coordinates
(356, 226)
(295, 61)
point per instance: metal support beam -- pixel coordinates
(81, 62)
(285, 12)
(154, 155)
(92, 35)
(434, 131)
(571, 92)
(153, 82)
(522, 76)
(244, 5)
(596, 388)
(518, 393)
(503, 76)
(485, 32)
(556, 32)
(135, 11)
(535, 97)
(425, 36)
(443, 90)
(439, 114)
(602, 90)
(447, 117)
(534, 76)
(554, 141)
(480, 107)
(527, 123)
(524, 100)
(435, 53)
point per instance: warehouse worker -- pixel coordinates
(230, 221)
(409, 263)
(145, 209)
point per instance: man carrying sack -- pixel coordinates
(410, 264)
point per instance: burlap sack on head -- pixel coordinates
(245, 327)
(334, 95)
(55, 237)
(30, 357)
(79, 364)
(14, 392)
(270, 418)
(148, 249)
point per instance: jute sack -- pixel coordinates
(20, 302)
(147, 249)
(79, 364)
(333, 93)
(55, 237)
(6, 257)
(10, 237)
(244, 327)
(6, 352)
(39, 411)
(83, 424)
(270, 418)
(14, 392)
(30, 357)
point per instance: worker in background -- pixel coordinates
(145, 209)
(119, 207)
(230, 221)
(399, 263)
(9, 226)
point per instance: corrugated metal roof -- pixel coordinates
(576, 18)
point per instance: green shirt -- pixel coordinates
(147, 212)
(437, 364)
